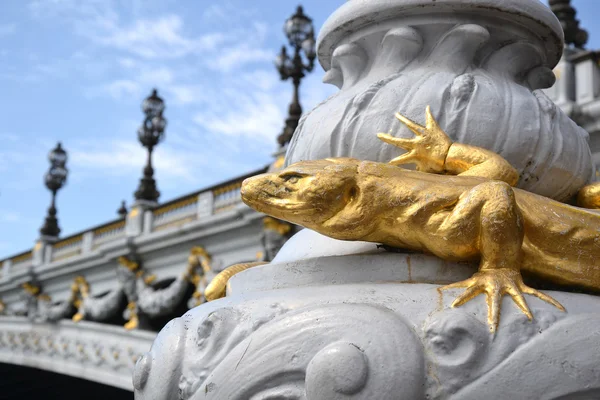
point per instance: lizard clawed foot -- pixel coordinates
(428, 149)
(495, 283)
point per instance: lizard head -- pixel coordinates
(309, 193)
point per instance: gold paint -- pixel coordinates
(2, 307)
(67, 242)
(67, 255)
(22, 257)
(133, 321)
(473, 216)
(38, 246)
(218, 286)
(30, 288)
(174, 206)
(109, 228)
(557, 72)
(44, 297)
(283, 228)
(198, 266)
(227, 188)
(77, 317)
(80, 290)
(176, 223)
(135, 211)
(221, 209)
(149, 279)
(127, 263)
(278, 163)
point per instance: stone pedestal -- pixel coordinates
(330, 320)
(369, 326)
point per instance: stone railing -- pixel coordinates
(227, 196)
(67, 248)
(176, 212)
(108, 232)
(192, 207)
(22, 260)
(87, 350)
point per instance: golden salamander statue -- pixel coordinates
(476, 215)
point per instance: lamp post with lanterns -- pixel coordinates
(150, 134)
(301, 36)
(55, 179)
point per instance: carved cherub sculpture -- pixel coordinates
(460, 205)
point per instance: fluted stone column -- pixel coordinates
(330, 320)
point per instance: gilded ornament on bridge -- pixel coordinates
(198, 269)
(132, 312)
(31, 288)
(283, 228)
(460, 205)
(80, 290)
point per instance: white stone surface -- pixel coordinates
(477, 63)
(376, 338)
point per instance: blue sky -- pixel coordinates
(77, 71)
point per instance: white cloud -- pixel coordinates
(238, 56)
(156, 76)
(119, 89)
(124, 158)
(158, 38)
(262, 79)
(226, 11)
(186, 94)
(256, 116)
(150, 38)
(127, 62)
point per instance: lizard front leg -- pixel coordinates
(487, 219)
(433, 151)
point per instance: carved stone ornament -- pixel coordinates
(478, 63)
(97, 352)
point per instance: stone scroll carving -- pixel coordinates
(101, 308)
(362, 351)
(97, 352)
(322, 353)
(465, 71)
(160, 302)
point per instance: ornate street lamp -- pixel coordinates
(150, 134)
(122, 211)
(565, 13)
(55, 179)
(300, 33)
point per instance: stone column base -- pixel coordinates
(365, 326)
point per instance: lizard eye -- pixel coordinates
(291, 178)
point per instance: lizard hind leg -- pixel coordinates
(492, 208)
